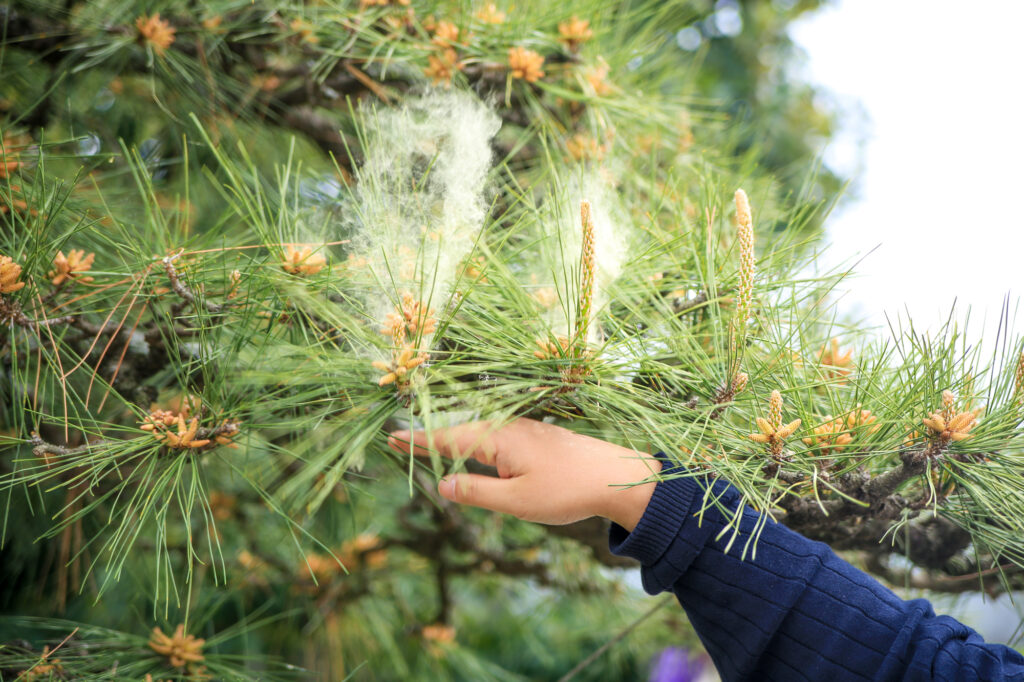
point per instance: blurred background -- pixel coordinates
(929, 133)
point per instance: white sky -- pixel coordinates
(941, 191)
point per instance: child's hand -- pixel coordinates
(546, 473)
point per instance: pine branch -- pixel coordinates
(680, 305)
(183, 291)
(993, 581)
(321, 129)
(41, 448)
(879, 488)
(10, 311)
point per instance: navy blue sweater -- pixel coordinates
(795, 611)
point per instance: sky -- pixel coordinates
(935, 94)
(939, 194)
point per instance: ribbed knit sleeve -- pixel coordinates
(789, 608)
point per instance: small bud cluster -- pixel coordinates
(597, 78)
(438, 632)
(730, 390)
(181, 650)
(411, 318)
(443, 65)
(155, 32)
(525, 64)
(71, 267)
(48, 667)
(836, 362)
(545, 297)
(775, 409)
(213, 23)
(490, 14)
(549, 350)
(473, 269)
(437, 637)
(179, 430)
(576, 369)
(831, 436)
(235, 280)
(322, 567)
(446, 34)
(772, 432)
(364, 549)
(304, 31)
(10, 275)
(403, 361)
(10, 160)
(302, 260)
(11, 200)
(222, 505)
(836, 433)
(575, 32)
(582, 147)
(949, 424)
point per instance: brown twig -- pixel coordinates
(41, 448)
(183, 291)
(11, 311)
(681, 305)
(617, 638)
(990, 580)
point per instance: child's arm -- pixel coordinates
(794, 611)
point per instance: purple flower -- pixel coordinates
(674, 665)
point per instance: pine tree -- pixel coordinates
(241, 241)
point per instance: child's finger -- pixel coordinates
(479, 440)
(404, 441)
(488, 492)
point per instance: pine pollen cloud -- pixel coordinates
(418, 203)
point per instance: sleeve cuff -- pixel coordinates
(660, 525)
(668, 537)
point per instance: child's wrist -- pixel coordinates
(626, 504)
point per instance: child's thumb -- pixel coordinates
(488, 492)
